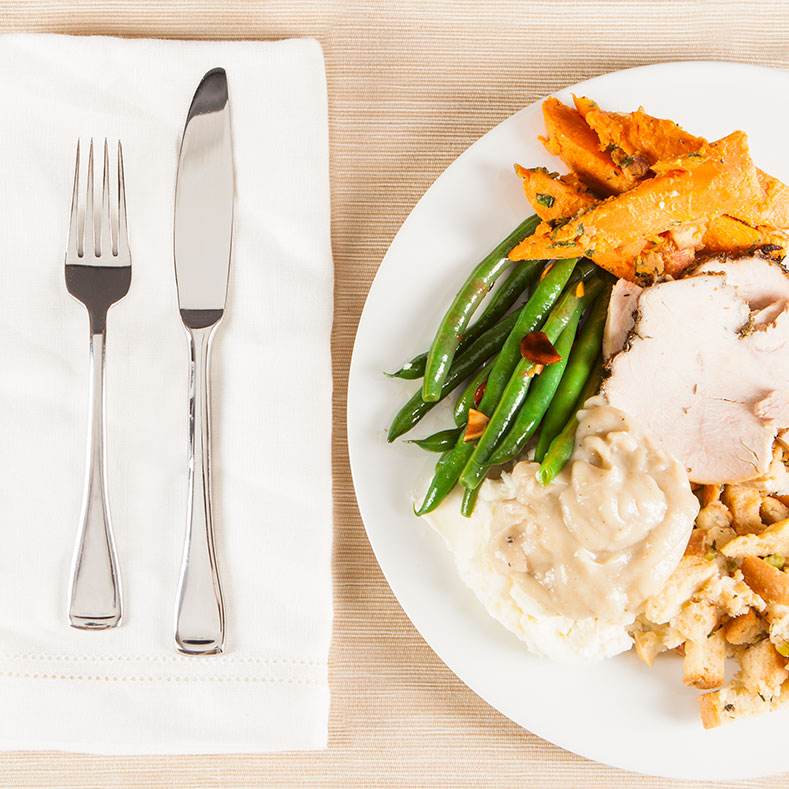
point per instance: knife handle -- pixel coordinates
(200, 616)
(95, 602)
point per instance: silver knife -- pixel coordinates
(203, 234)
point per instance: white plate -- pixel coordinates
(618, 712)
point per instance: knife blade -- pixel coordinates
(204, 204)
(204, 195)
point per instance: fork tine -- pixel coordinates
(90, 217)
(123, 231)
(105, 219)
(74, 246)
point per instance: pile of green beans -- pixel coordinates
(569, 308)
(518, 396)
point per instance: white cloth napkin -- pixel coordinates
(127, 690)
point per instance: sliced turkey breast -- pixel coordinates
(698, 371)
(763, 283)
(621, 316)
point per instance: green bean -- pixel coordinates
(466, 400)
(442, 459)
(485, 347)
(446, 476)
(517, 282)
(482, 278)
(568, 308)
(561, 448)
(473, 475)
(537, 401)
(438, 442)
(528, 319)
(411, 370)
(469, 501)
(579, 364)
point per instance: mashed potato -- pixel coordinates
(566, 567)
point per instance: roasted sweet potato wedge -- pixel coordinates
(659, 142)
(620, 261)
(725, 235)
(552, 196)
(772, 209)
(669, 253)
(570, 138)
(716, 185)
(637, 135)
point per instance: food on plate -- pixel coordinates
(572, 139)
(663, 195)
(567, 566)
(616, 475)
(722, 371)
(552, 305)
(728, 598)
(623, 233)
(621, 316)
(608, 531)
(545, 632)
(555, 196)
(582, 359)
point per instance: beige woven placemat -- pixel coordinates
(411, 85)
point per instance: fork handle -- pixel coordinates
(200, 617)
(95, 583)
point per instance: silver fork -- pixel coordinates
(98, 273)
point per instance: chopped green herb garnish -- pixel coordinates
(775, 561)
(546, 200)
(557, 223)
(562, 244)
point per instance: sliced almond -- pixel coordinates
(537, 348)
(477, 422)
